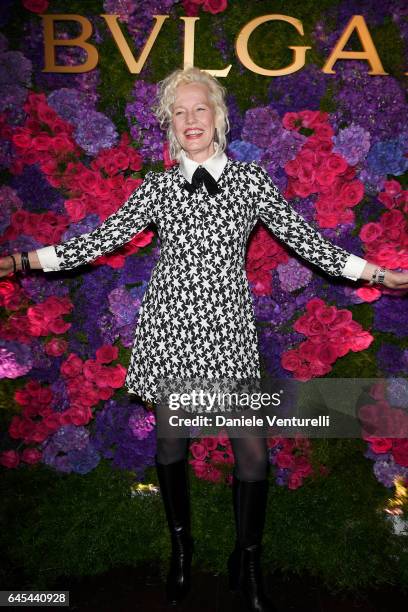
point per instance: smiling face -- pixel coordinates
(193, 120)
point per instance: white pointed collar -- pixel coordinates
(214, 164)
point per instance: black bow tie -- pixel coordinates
(201, 175)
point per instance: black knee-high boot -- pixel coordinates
(175, 492)
(244, 566)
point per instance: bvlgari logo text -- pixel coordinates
(356, 24)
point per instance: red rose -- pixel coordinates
(352, 193)
(370, 231)
(117, 376)
(295, 480)
(326, 314)
(56, 347)
(292, 121)
(302, 465)
(392, 187)
(392, 218)
(45, 113)
(361, 341)
(7, 288)
(22, 138)
(387, 200)
(72, 366)
(336, 163)
(400, 451)
(307, 350)
(31, 455)
(327, 354)
(381, 445)
(310, 118)
(199, 451)
(36, 6)
(76, 209)
(291, 360)
(106, 353)
(9, 459)
(284, 460)
(215, 6)
(368, 294)
(304, 373)
(78, 415)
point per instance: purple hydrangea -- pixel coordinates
(352, 143)
(389, 358)
(391, 315)
(114, 438)
(70, 103)
(69, 450)
(261, 125)
(293, 275)
(145, 128)
(95, 131)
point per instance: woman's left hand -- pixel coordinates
(396, 280)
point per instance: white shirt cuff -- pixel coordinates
(48, 259)
(354, 267)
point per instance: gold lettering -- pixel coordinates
(189, 38)
(135, 66)
(50, 43)
(369, 54)
(241, 46)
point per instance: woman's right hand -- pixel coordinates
(6, 265)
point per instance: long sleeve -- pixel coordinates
(293, 230)
(133, 216)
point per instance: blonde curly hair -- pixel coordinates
(166, 96)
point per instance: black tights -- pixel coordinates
(250, 454)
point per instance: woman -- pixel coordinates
(196, 316)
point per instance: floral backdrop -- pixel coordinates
(73, 147)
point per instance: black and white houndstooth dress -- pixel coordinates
(196, 317)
